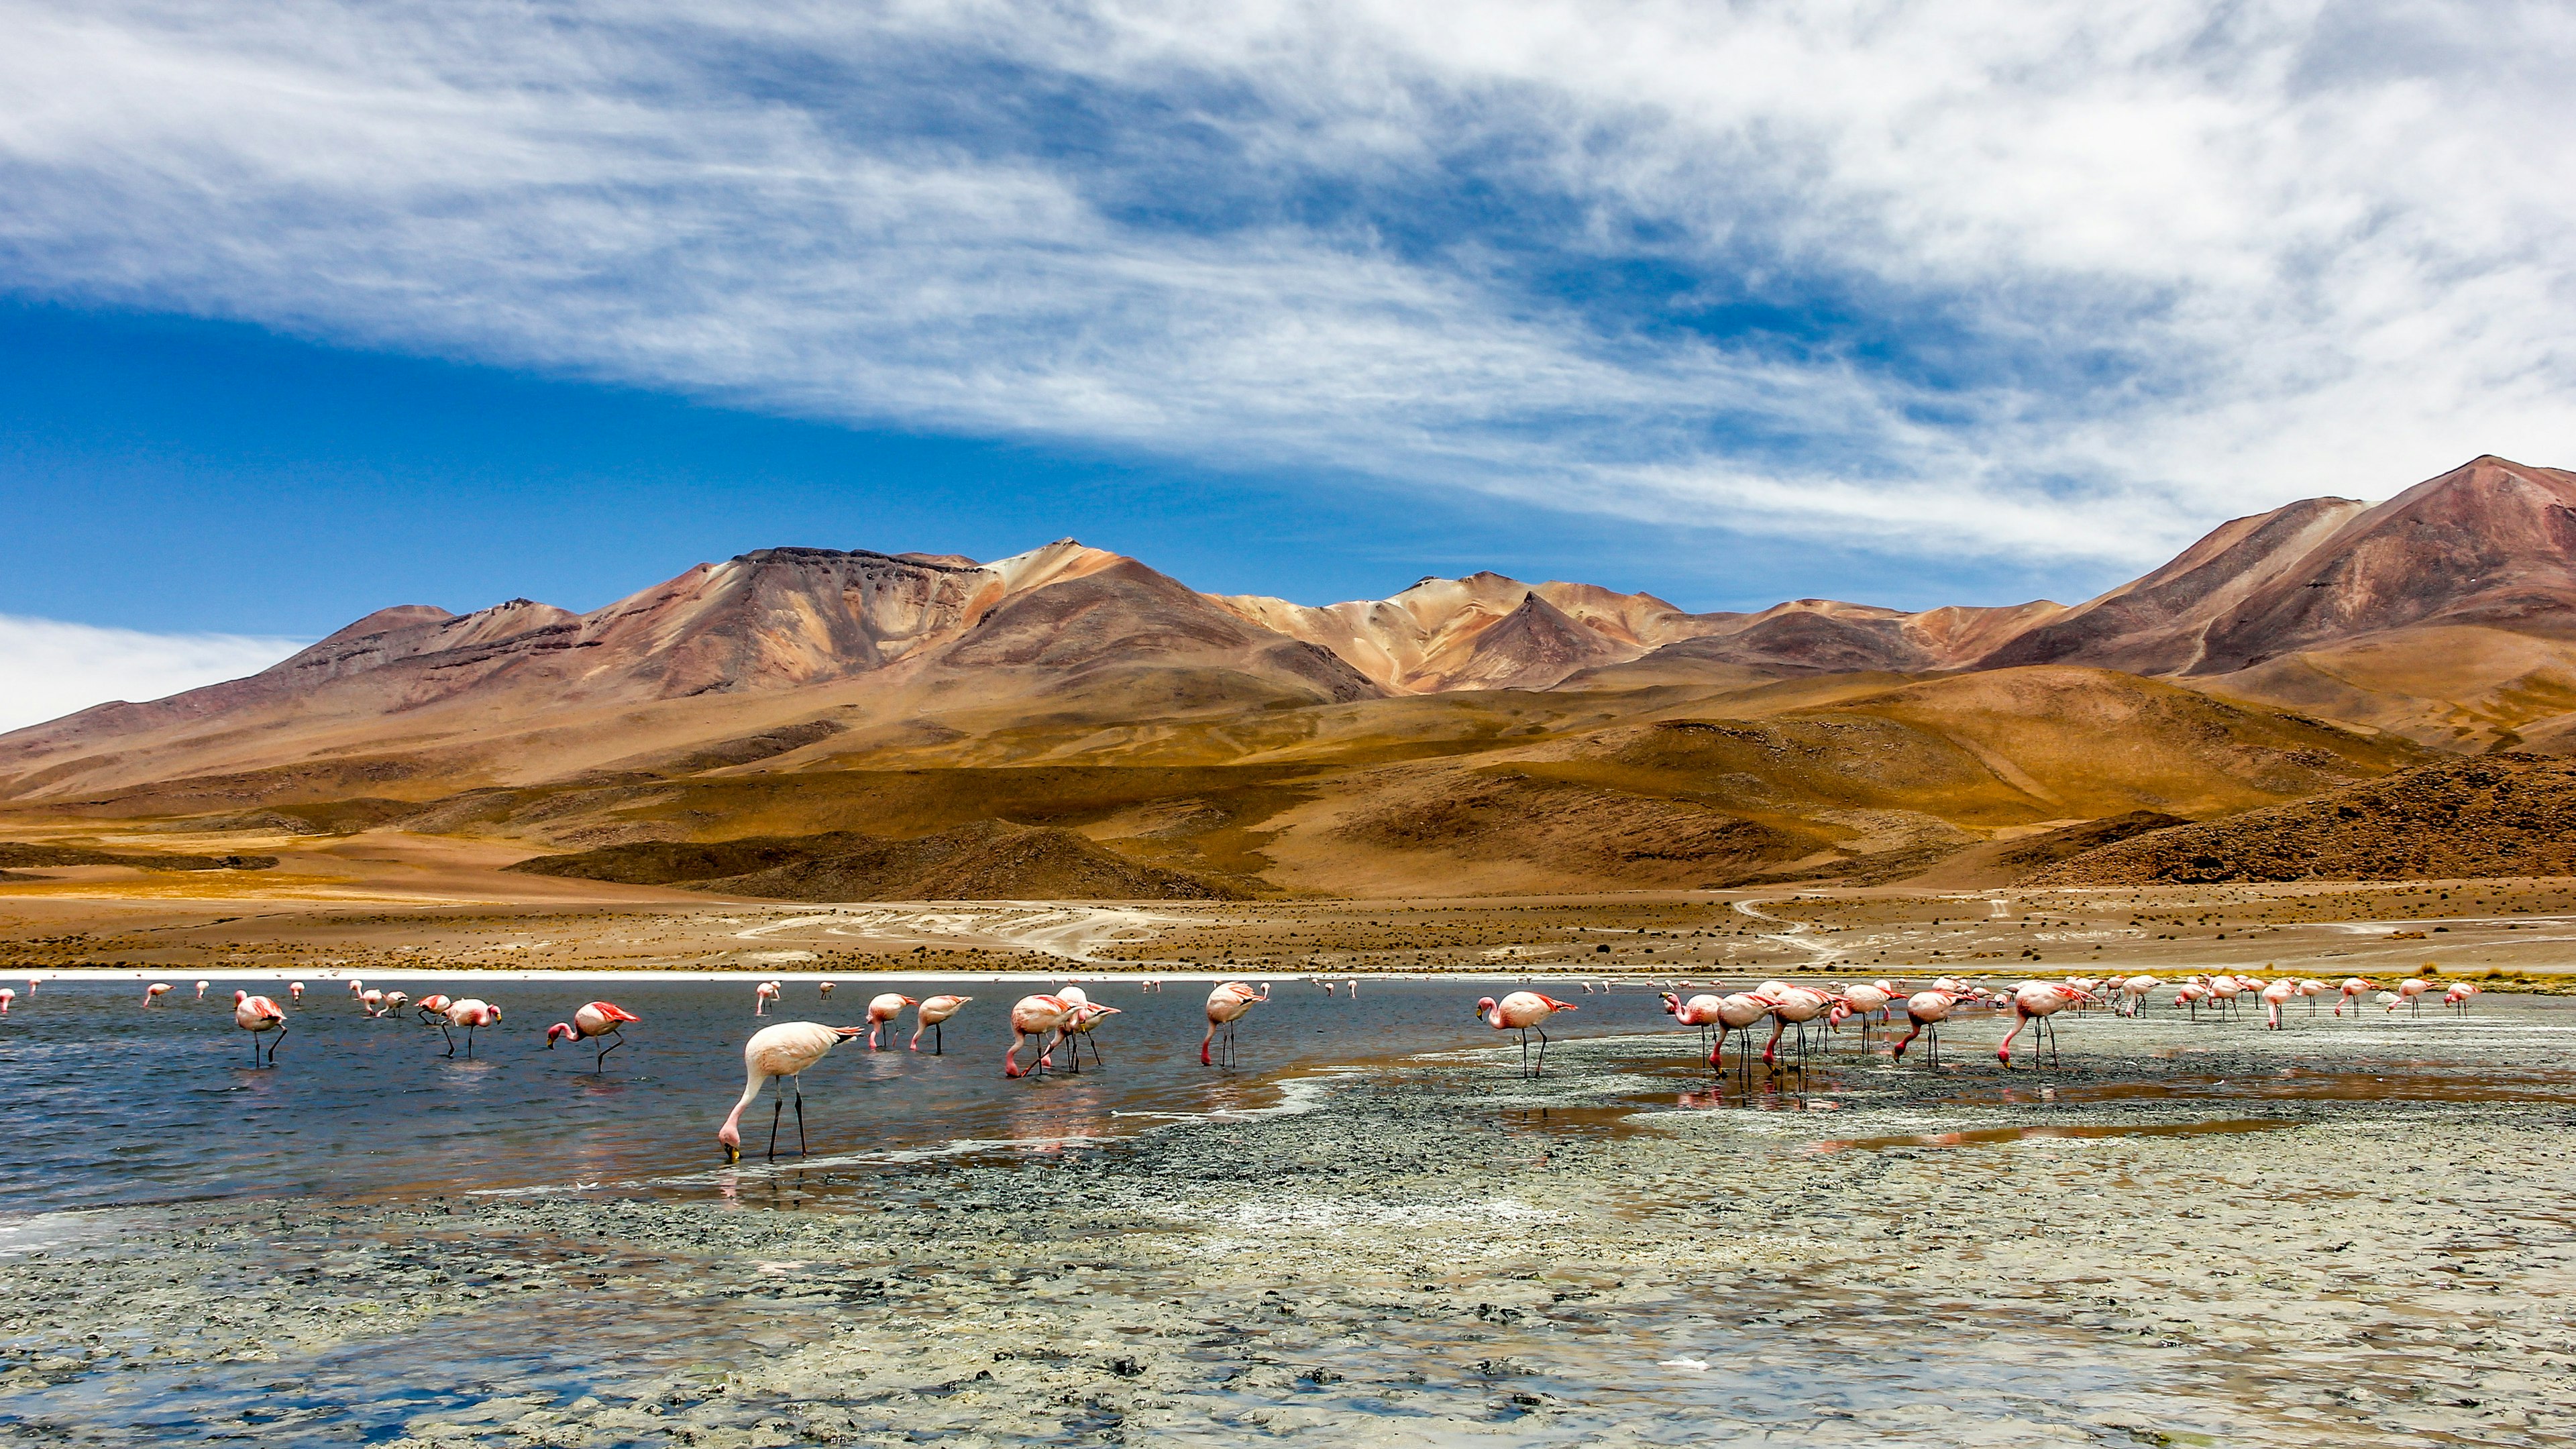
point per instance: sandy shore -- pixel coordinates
(2117, 1251)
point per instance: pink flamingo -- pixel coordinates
(1077, 1030)
(257, 1014)
(155, 992)
(2274, 997)
(1699, 1011)
(6, 996)
(1736, 1014)
(935, 1010)
(2133, 994)
(2191, 994)
(372, 1002)
(881, 1014)
(1860, 1001)
(2408, 992)
(201, 988)
(295, 991)
(779, 1053)
(1038, 1016)
(595, 1020)
(469, 1013)
(432, 1007)
(2353, 986)
(761, 995)
(1927, 1010)
(395, 1001)
(824, 988)
(1226, 1006)
(1524, 1012)
(2038, 1001)
(357, 988)
(1795, 1006)
(2457, 996)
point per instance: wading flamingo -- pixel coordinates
(1699, 1011)
(594, 1021)
(6, 996)
(1738, 1013)
(2353, 986)
(257, 1014)
(2191, 994)
(201, 988)
(2312, 988)
(881, 1013)
(295, 991)
(372, 1002)
(2133, 994)
(934, 1010)
(1795, 1006)
(1926, 1010)
(155, 992)
(1226, 1006)
(2458, 996)
(1860, 1000)
(357, 988)
(2038, 1001)
(825, 988)
(761, 995)
(1523, 1012)
(432, 1007)
(395, 1001)
(1038, 1016)
(2410, 993)
(2275, 996)
(1077, 1030)
(779, 1053)
(469, 1013)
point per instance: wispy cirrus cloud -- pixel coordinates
(49, 668)
(2015, 280)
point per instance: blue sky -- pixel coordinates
(318, 306)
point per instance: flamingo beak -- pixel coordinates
(733, 1154)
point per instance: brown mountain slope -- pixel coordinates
(2500, 815)
(985, 860)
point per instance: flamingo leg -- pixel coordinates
(938, 1037)
(451, 1038)
(800, 1116)
(1097, 1059)
(274, 1045)
(1542, 1051)
(602, 1062)
(777, 1105)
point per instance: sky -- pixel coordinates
(314, 307)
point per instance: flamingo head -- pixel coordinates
(1485, 1006)
(240, 996)
(1672, 1004)
(732, 1141)
(560, 1031)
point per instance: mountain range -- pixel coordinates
(1465, 734)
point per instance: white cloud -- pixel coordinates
(2081, 279)
(49, 669)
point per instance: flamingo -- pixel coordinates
(761, 995)
(1521, 1011)
(395, 1001)
(1077, 1030)
(779, 1053)
(2311, 988)
(2191, 995)
(596, 1019)
(2353, 986)
(934, 1010)
(1699, 1011)
(882, 1012)
(1035, 1016)
(1738, 1012)
(2274, 997)
(257, 1014)
(6, 996)
(2458, 996)
(1860, 1001)
(432, 1007)
(201, 988)
(2133, 993)
(1226, 1006)
(469, 1013)
(155, 992)
(295, 990)
(2037, 1001)
(825, 988)
(372, 1002)
(1928, 1009)
(1795, 1006)
(2408, 993)
(357, 988)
